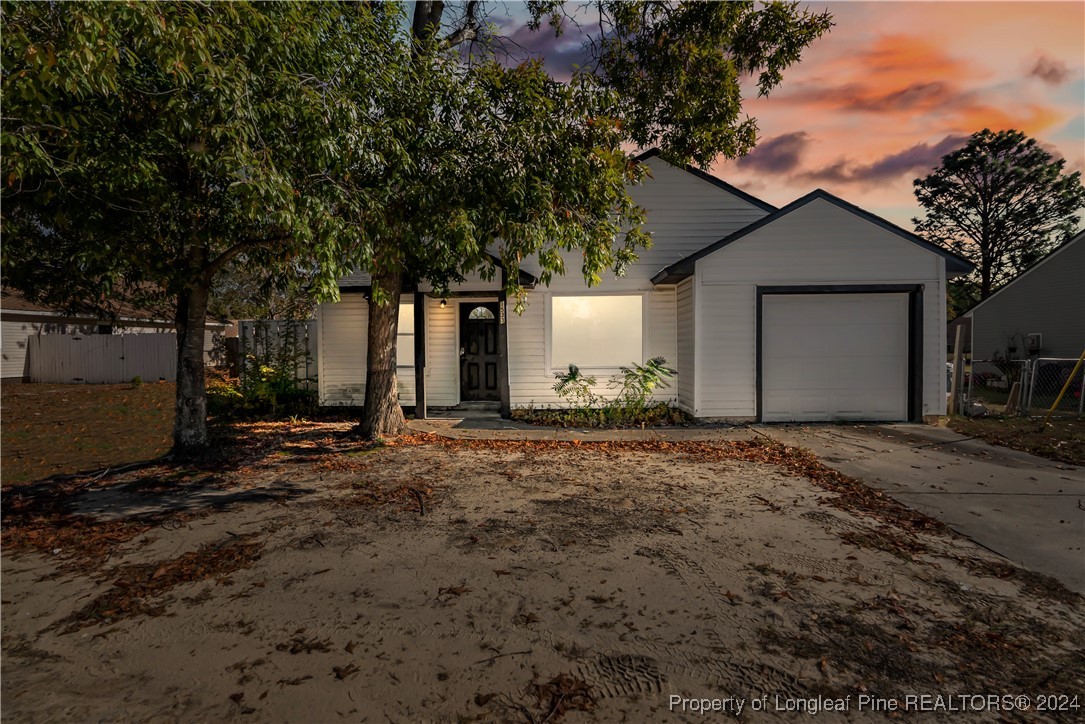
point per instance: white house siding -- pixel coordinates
(686, 348)
(341, 338)
(1049, 299)
(663, 333)
(531, 376)
(442, 355)
(816, 244)
(685, 214)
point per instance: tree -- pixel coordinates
(502, 156)
(1001, 201)
(148, 146)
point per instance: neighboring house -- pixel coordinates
(1041, 313)
(817, 311)
(21, 319)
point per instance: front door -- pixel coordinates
(478, 351)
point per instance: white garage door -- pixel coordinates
(834, 357)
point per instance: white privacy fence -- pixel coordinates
(102, 358)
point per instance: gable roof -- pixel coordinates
(704, 176)
(684, 267)
(1075, 239)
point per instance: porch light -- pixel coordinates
(444, 303)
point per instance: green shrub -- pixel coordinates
(575, 387)
(267, 386)
(631, 406)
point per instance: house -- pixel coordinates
(21, 319)
(1041, 313)
(816, 311)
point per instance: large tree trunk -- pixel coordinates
(382, 414)
(190, 420)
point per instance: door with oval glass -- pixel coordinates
(478, 351)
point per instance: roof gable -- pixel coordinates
(1073, 240)
(709, 178)
(684, 268)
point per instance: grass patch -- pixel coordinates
(1061, 440)
(63, 429)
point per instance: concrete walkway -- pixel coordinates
(1028, 509)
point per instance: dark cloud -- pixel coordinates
(918, 159)
(559, 52)
(780, 154)
(1050, 70)
(871, 98)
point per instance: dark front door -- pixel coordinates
(478, 351)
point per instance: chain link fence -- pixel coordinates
(1048, 377)
(988, 386)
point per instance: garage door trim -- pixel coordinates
(915, 332)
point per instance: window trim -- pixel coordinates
(548, 343)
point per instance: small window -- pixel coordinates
(405, 336)
(596, 331)
(480, 313)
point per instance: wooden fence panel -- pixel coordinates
(102, 358)
(151, 357)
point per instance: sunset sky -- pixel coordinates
(895, 85)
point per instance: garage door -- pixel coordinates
(834, 357)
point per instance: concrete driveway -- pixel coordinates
(1028, 509)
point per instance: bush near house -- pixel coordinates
(631, 406)
(267, 386)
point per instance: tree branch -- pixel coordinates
(215, 266)
(467, 31)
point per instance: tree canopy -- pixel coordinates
(510, 158)
(147, 146)
(1002, 201)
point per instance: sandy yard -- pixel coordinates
(297, 579)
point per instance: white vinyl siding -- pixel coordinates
(442, 355)
(685, 214)
(341, 334)
(686, 345)
(819, 243)
(343, 331)
(663, 336)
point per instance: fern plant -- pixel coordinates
(636, 384)
(575, 386)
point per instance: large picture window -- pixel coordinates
(596, 331)
(405, 336)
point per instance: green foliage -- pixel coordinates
(677, 67)
(137, 381)
(147, 147)
(1002, 202)
(268, 386)
(576, 387)
(636, 384)
(148, 144)
(630, 406)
